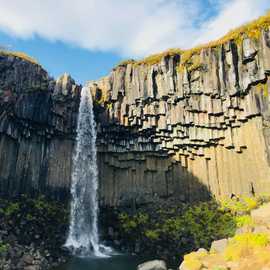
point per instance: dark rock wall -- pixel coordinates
(37, 129)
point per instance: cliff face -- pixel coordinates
(165, 129)
(37, 127)
(187, 130)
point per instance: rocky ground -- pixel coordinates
(24, 257)
(32, 232)
(249, 249)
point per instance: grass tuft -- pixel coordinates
(251, 30)
(21, 55)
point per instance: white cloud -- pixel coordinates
(130, 28)
(232, 14)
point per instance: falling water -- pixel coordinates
(83, 238)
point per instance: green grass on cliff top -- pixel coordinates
(20, 55)
(252, 30)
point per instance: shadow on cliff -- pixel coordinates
(136, 185)
(145, 177)
(131, 178)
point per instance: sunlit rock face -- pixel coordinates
(163, 131)
(188, 132)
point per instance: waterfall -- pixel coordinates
(83, 237)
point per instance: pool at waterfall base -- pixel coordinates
(119, 262)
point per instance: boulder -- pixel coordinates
(32, 267)
(27, 259)
(153, 265)
(261, 229)
(266, 268)
(262, 214)
(219, 246)
(184, 266)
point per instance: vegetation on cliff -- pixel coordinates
(251, 30)
(20, 55)
(155, 58)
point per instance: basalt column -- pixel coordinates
(192, 130)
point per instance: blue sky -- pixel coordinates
(86, 38)
(58, 57)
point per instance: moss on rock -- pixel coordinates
(20, 55)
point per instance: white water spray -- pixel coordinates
(83, 237)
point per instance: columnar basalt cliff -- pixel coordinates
(183, 127)
(169, 128)
(37, 127)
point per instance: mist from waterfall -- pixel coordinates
(83, 237)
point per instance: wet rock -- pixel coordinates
(27, 259)
(32, 267)
(153, 265)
